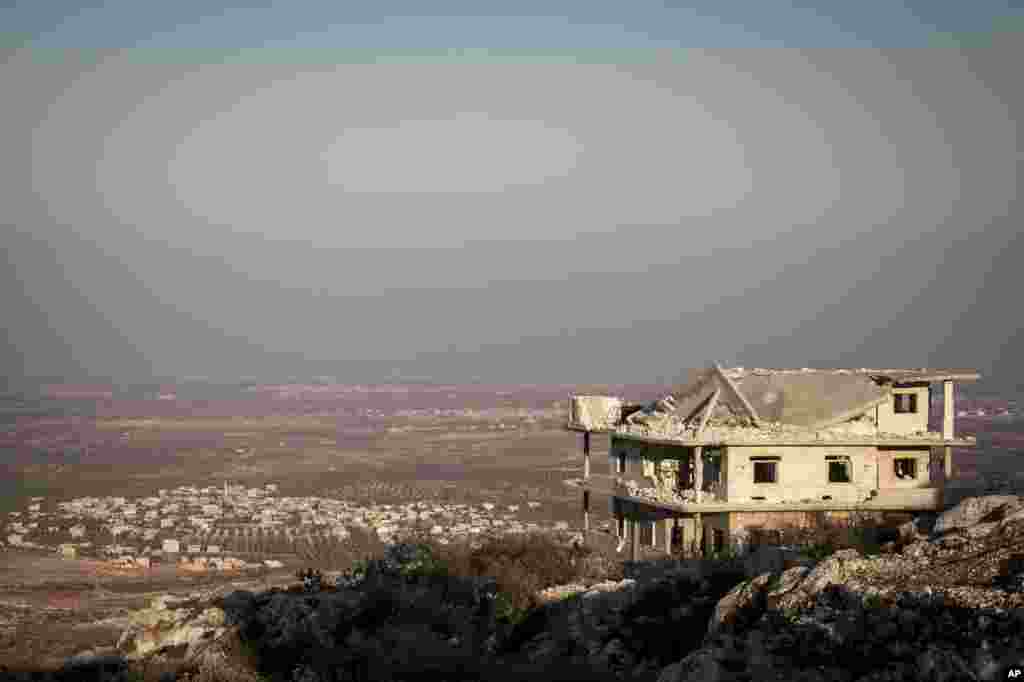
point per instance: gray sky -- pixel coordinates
(511, 221)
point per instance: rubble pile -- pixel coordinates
(668, 427)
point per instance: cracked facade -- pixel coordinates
(734, 450)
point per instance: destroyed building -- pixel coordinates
(732, 451)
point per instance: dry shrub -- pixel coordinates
(521, 565)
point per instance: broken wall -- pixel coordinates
(802, 474)
(594, 412)
(889, 421)
(887, 474)
(651, 465)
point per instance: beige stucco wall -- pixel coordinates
(802, 474)
(890, 422)
(887, 472)
(802, 470)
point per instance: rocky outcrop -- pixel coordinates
(631, 628)
(949, 608)
(839, 637)
(169, 623)
(974, 510)
(748, 601)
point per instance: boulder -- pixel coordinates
(974, 510)
(154, 630)
(835, 570)
(744, 603)
(788, 581)
(1013, 518)
(980, 530)
(910, 532)
(918, 550)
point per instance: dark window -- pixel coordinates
(622, 463)
(766, 471)
(905, 403)
(905, 467)
(712, 468)
(838, 469)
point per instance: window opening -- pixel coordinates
(766, 470)
(839, 469)
(905, 467)
(905, 403)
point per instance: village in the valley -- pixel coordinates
(233, 528)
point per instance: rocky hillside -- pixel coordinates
(947, 607)
(945, 603)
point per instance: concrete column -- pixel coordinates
(634, 540)
(947, 410)
(586, 482)
(654, 534)
(689, 534)
(698, 532)
(947, 427)
(586, 456)
(669, 524)
(698, 472)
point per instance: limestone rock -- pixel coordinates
(788, 582)
(835, 570)
(976, 509)
(981, 529)
(156, 629)
(746, 602)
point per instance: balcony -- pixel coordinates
(664, 494)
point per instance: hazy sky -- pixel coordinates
(584, 191)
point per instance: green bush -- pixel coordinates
(506, 612)
(818, 550)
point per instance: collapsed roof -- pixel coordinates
(806, 398)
